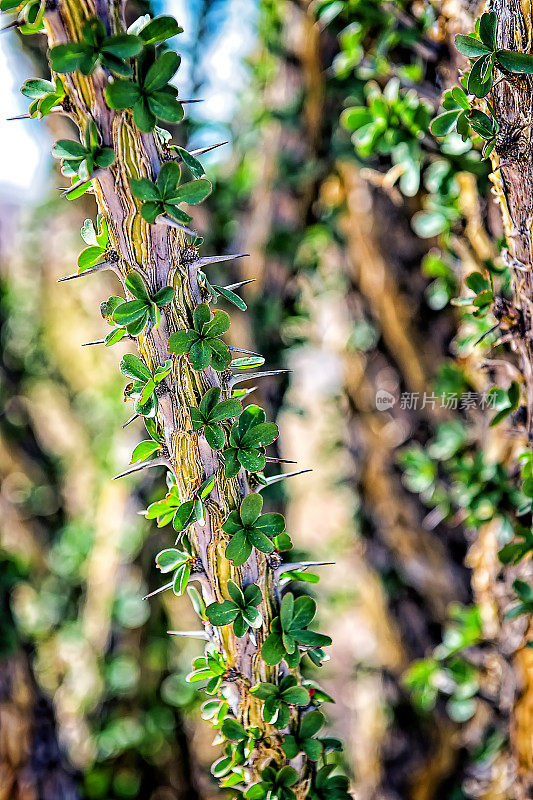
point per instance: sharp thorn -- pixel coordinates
(20, 116)
(162, 219)
(202, 150)
(90, 271)
(241, 350)
(191, 634)
(130, 420)
(203, 262)
(155, 462)
(276, 478)
(303, 565)
(98, 341)
(157, 591)
(243, 377)
(273, 460)
(233, 286)
(200, 100)
(14, 24)
(486, 334)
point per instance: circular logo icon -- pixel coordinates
(384, 400)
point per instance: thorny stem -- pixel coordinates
(156, 249)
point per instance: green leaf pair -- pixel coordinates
(143, 388)
(135, 314)
(249, 528)
(96, 48)
(98, 240)
(327, 787)
(274, 784)
(202, 344)
(237, 751)
(302, 740)
(182, 515)
(149, 94)
(241, 609)
(210, 667)
(249, 436)
(210, 412)
(79, 160)
(460, 116)
(178, 561)
(165, 195)
(45, 95)
(278, 698)
(289, 630)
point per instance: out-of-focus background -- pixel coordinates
(351, 294)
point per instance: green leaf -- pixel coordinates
(190, 161)
(68, 148)
(250, 508)
(142, 116)
(169, 559)
(161, 71)
(225, 410)
(123, 45)
(168, 178)
(444, 123)
(151, 210)
(220, 358)
(159, 29)
(221, 613)
(231, 297)
(37, 88)
(181, 578)
(121, 94)
(199, 355)
(487, 29)
(181, 341)
(239, 549)
(515, 62)
(89, 258)
(480, 79)
(218, 324)
(296, 696)
(304, 611)
(231, 729)
(193, 192)
(137, 287)
(144, 189)
(164, 296)
(66, 57)
(143, 450)
(272, 650)
(470, 47)
(260, 435)
(133, 367)
(165, 105)
(214, 436)
(130, 311)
